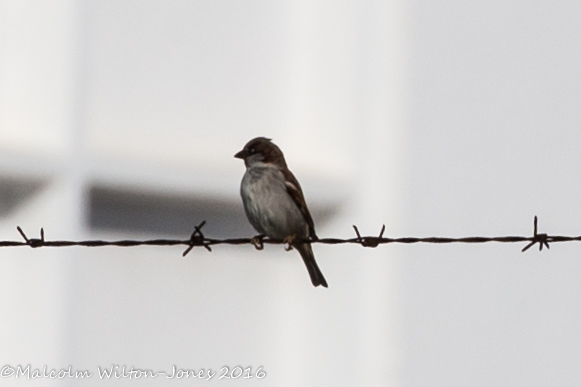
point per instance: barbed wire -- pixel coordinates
(197, 238)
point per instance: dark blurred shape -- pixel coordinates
(121, 209)
(14, 192)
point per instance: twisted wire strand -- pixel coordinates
(197, 238)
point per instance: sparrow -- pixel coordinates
(274, 202)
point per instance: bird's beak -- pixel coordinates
(241, 154)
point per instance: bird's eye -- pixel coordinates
(252, 151)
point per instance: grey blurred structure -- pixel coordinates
(121, 119)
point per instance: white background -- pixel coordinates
(120, 120)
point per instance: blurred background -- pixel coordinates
(121, 119)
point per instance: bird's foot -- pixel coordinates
(288, 241)
(257, 242)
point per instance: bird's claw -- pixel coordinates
(288, 241)
(257, 242)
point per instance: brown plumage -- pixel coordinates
(274, 201)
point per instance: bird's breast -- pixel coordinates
(269, 207)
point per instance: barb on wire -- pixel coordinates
(197, 238)
(33, 242)
(541, 239)
(369, 241)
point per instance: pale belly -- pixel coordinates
(269, 208)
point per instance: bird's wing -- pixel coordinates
(296, 193)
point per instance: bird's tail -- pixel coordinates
(309, 259)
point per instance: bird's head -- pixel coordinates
(261, 150)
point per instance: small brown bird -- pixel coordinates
(274, 202)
